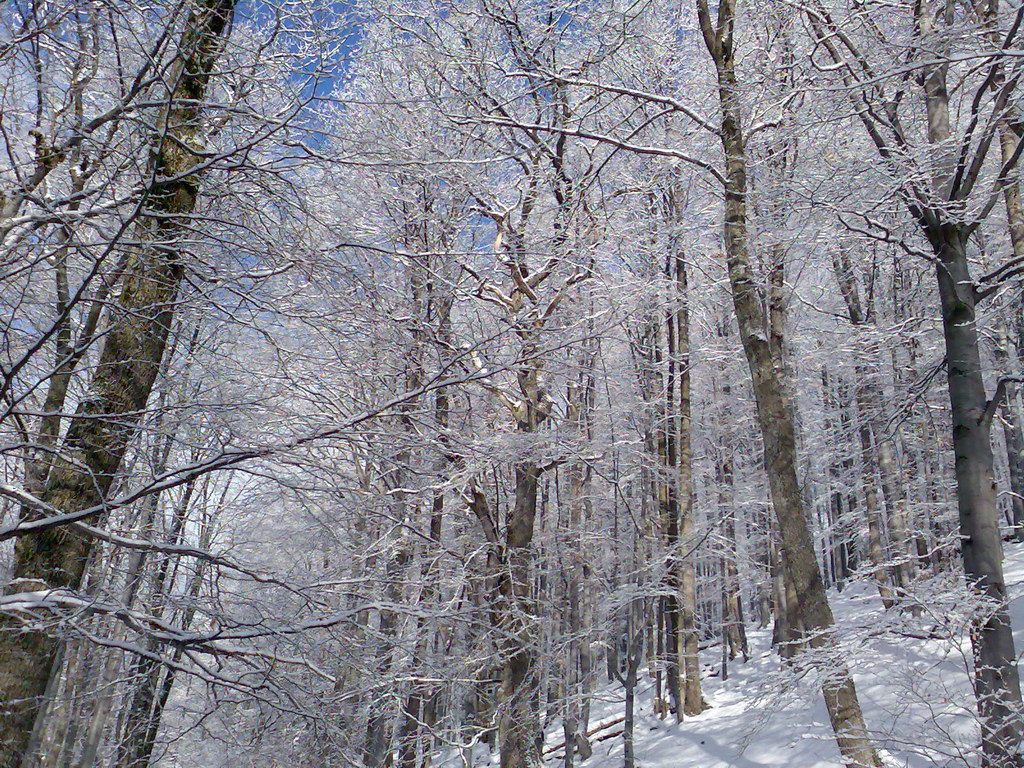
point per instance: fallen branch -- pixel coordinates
(591, 732)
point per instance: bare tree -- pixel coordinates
(948, 198)
(119, 390)
(775, 412)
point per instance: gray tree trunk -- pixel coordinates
(774, 409)
(997, 684)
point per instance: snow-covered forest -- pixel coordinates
(580, 383)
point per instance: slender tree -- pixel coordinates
(774, 408)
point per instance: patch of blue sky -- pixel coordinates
(322, 37)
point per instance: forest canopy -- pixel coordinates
(397, 383)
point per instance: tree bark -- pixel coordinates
(670, 488)
(734, 627)
(997, 684)
(151, 682)
(518, 726)
(108, 417)
(634, 648)
(1013, 435)
(1012, 429)
(996, 681)
(860, 314)
(688, 640)
(724, 460)
(580, 400)
(775, 413)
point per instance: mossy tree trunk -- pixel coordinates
(108, 417)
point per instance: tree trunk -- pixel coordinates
(379, 740)
(996, 681)
(861, 313)
(140, 721)
(1009, 135)
(518, 726)
(997, 684)
(876, 548)
(693, 699)
(423, 300)
(634, 648)
(108, 417)
(579, 399)
(774, 410)
(1012, 430)
(733, 618)
(896, 505)
(831, 540)
(670, 490)
(732, 603)
(1013, 435)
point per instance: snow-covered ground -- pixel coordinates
(915, 692)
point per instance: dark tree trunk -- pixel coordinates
(997, 684)
(108, 417)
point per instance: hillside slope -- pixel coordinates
(911, 673)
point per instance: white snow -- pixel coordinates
(915, 692)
